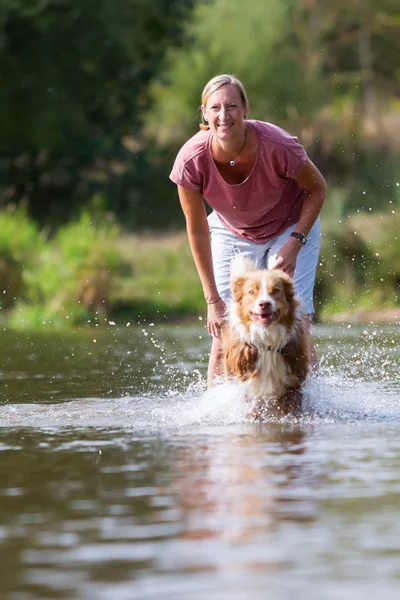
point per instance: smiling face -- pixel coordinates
(264, 297)
(225, 112)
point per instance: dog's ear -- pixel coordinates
(241, 264)
(288, 287)
(249, 357)
(237, 288)
(240, 361)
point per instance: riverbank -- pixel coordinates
(91, 272)
(161, 281)
(389, 316)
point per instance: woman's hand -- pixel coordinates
(287, 256)
(215, 317)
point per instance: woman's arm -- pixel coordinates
(314, 183)
(200, 245)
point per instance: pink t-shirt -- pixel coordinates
(265, 203)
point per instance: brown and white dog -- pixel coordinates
(264, 342)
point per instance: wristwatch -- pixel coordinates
(299, 236)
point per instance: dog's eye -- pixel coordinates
(276, 290)
(251, 292)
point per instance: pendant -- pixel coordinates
(232, 163)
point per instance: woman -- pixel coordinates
(266, 195)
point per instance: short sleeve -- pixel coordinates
(185, 173)
(290, 158)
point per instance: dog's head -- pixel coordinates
(263, 297)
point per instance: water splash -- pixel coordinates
(359, 381)
(327, 399)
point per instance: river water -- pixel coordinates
(122, 478)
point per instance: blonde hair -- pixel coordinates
(214, 84)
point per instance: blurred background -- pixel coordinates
(97, 97)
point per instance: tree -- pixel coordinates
(75, 76)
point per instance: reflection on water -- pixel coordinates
(110, 507)
(121, 477)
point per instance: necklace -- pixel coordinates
(233, 161)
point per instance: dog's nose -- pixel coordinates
(264, 304)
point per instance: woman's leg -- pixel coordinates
(223, 250)
(215, 363)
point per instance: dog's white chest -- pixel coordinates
(272, 376)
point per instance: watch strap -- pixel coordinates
(299, 236)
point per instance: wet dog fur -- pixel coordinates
(264, 342)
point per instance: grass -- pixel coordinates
(360, 265)
(163, 280)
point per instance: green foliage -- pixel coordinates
(359, 268)
(66, 279)
(77, 268)
(296, 58)
(223, 43)
(89, 272)
(75, 94)
(164, 280)
(19, 235)
(75, 75)
(20, 244)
